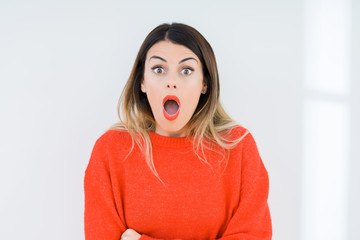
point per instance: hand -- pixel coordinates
(130, 234)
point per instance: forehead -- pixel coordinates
(170, 51)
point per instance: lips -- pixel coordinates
(171, 107)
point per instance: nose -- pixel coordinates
(171, 85)
(171, 82)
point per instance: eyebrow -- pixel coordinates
(185, 59)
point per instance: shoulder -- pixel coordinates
(236, 132)
(245, 134)
(247, 144)
(113, 138)
(110, 144)
(248, 150)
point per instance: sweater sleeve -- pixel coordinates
(101, 218)
(251, 220)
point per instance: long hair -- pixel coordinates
(209, 125)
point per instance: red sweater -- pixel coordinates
(196, 203)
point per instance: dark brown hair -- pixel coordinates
(209, 119)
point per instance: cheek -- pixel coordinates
(153, 93)
(152, 96)
(192, 93)
(191, 101)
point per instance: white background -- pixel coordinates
(63, 65)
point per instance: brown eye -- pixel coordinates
(187, 71)
(158, 70)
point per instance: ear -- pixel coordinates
(204, 89)
(143, 89)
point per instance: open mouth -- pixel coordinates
(171, 107)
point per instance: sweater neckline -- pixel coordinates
(167, 141)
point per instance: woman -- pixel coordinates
(176, 166)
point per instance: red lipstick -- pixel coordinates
(171, 107)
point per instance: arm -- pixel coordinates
(251, 220)
(101, 218)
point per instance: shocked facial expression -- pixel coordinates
(173, 82)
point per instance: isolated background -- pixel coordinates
(289, 72)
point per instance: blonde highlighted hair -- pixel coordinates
(209, 124)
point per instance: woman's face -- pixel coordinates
(173, 81)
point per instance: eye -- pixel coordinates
(158, 69)
(187, 71)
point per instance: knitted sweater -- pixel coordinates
(196, 202)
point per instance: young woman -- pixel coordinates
(176, 166)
